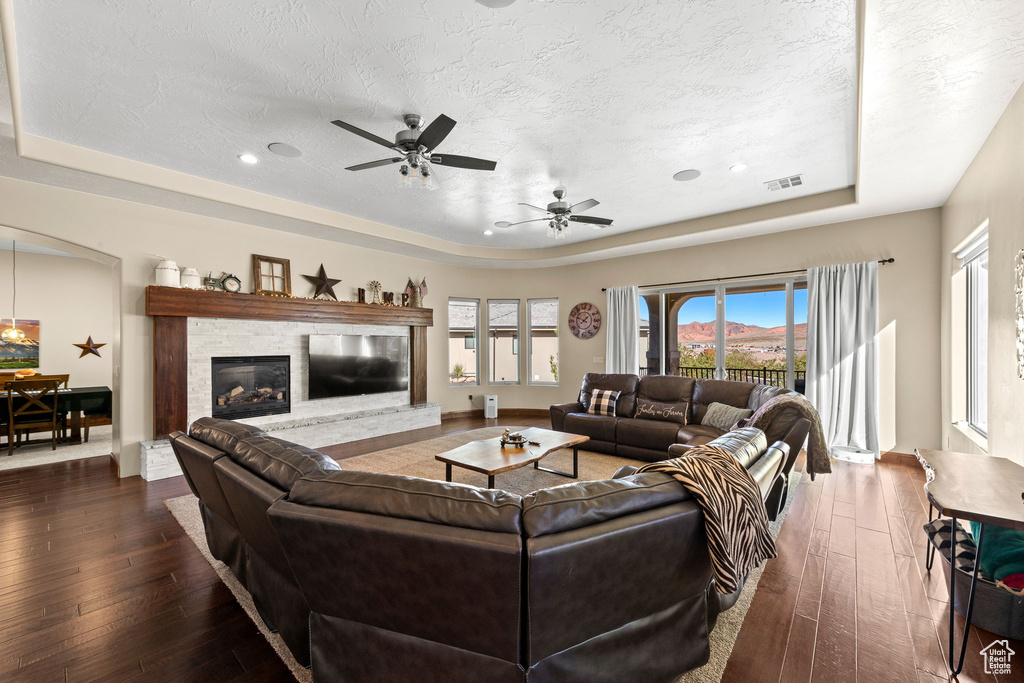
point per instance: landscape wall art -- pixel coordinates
(16, 354)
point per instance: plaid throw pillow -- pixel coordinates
(602, 402)
(940, 533)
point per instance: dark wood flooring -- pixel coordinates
(848, 598)
(98, 582)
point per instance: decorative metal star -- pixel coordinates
(323, 284)
(90, 347)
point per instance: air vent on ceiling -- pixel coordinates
(783, 183)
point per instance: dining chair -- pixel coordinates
(61, 417)
(31, 404)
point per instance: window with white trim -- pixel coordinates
(503, 341)
(463, 331)
(542, 323)
(974, 257)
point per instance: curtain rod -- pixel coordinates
(736, 277)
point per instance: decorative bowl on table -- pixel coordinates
(514, 439)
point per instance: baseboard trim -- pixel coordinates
(502, 412)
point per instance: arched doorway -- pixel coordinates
(68, 291)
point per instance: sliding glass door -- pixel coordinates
(754, 331)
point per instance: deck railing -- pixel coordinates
(759, 375)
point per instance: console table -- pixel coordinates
(974, 488)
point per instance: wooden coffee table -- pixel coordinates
(488, 457)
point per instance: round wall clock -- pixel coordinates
(584, 320)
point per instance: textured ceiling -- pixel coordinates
(609, 98)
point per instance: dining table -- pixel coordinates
(74, 402)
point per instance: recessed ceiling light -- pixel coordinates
(688, 174)
(284, 150)
(736, 168)
(248, 158)
(495, 4)
(488, 232)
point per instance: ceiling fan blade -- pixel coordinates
(373, 164)
(434, 134)
(584, 206)
(456, 161)
(506, 224)
(364, 134)
(533, 207)
(591, 219)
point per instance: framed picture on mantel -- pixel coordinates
(271, 276)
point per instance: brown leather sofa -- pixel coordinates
(629, 436)
(407, 579)
(237, 473)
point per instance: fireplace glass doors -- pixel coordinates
(251, 386)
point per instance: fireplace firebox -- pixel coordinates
(251, 386)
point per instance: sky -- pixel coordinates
(765, 309)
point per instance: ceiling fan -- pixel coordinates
(560, 214)
(415, 149)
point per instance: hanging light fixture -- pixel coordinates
(12, 333)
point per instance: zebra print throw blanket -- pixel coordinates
(734, 514)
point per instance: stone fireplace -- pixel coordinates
(250, 386)
(211, 352)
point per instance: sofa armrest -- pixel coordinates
(624, 471)
(560, 410)
(679, 449)
(795, 438)
(768, 467)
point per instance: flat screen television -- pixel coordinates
(356, 364)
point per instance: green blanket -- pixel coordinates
(1002, 554)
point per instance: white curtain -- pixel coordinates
(842, 356)
(622, 330)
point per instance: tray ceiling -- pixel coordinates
(606, 98)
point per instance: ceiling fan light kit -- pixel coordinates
(415, 148)
(561, 215)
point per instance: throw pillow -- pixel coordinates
(940, 533)
(602, 402)
(725, 416)
(668, 412)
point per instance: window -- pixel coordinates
(745, 330)
(463, 329)
(975, 262)
(503, 341)
(542, 323)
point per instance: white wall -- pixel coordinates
(71, 299)
(908, 308)
(135, 233)
(991, 189)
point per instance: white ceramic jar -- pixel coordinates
(167, 274)
(190, 279)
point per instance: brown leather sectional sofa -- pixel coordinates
(376, 577)
(629, 436)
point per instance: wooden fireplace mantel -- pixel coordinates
(171, 307)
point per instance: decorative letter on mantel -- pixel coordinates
(171, 309)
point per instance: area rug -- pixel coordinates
(418, 460)
(38, 452)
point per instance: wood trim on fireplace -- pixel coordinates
(201, 303)
(171, 307)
